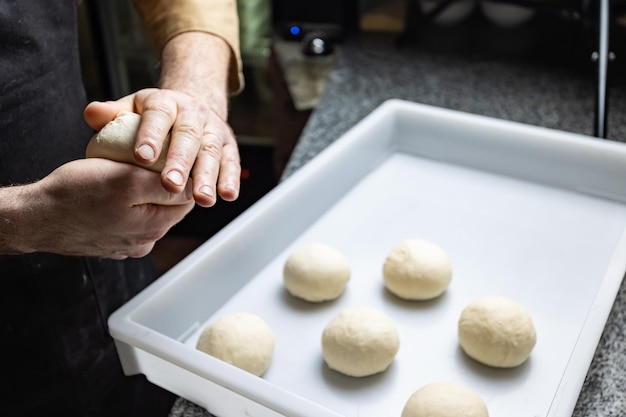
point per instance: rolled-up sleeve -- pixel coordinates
(165, 19)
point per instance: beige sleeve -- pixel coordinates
(165, 19)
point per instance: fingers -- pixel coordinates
(161, 112)
(162, 218)
(230, 171)
(150, 191)
(159, 211)
(185, 144)
(217, 163)
(199, 140)
(157, 118)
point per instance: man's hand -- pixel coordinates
(202, 144)
(95, 207)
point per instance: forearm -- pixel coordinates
(14, 214)
(166, 20)
(197, 63)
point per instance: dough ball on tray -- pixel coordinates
(417, 269)
(116, 141)
(442, 399)
(241, 339)
(497, 332)
(316, 272)
(359, 342)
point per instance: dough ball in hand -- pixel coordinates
(360, 342)
(241, 339)
(116, 141)
(497, 332)
(417, 269)
(442, 399)
(316, 273)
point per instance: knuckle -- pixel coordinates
(178, 158)
(231, 159)
(212, 146)
(159, 107)
(189, 131)
(212, 149)
(153, 132)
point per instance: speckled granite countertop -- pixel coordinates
(502, 79)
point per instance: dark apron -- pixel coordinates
(57, 357)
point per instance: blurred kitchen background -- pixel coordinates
(289, 49)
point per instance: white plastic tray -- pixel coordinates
(529, 213)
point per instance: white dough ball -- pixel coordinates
(360, 342)
(442, 399)
(116, 141)
(417, 269)
(497, 332)
(316, 273)
(241, 339)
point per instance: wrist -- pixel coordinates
(197, 63)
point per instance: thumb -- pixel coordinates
(99, 113)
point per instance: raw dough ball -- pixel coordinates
(360, 342)
(443, 399)
(116, 141)
(241, 339)
(417, 269)
(316, 272)
(497, 332)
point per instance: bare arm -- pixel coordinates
(12, 205)
(197, 63)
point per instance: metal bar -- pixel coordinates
(602, 56)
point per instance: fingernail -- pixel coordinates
(230, 186)
(206, 190)
(175, 177)
(146, 152)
